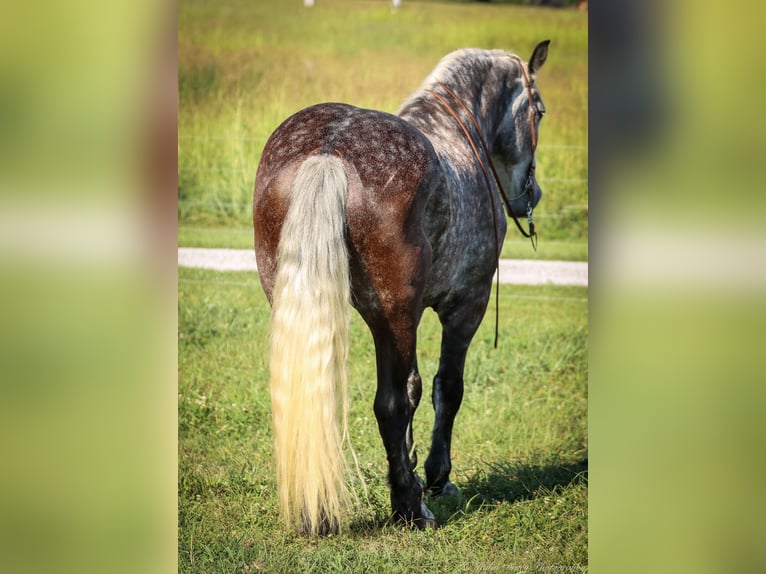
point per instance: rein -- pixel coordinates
(528, 186)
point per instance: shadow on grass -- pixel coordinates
(493, 483)
(510, 483)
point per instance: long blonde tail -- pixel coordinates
(309, 348)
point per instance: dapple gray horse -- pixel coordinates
(389, 214)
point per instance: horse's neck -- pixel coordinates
(448, 134)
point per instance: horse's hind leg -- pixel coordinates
(458, 328)
(397, 397)
(392, 310)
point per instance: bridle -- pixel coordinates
(528, 185)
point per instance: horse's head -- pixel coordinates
(516, 137)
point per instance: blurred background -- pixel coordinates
(87, 286)
(91, 208)
(678, 248)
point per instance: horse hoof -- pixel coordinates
(422, 520)
(428, 520)
(449, 489)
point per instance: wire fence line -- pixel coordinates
(200, 203)
(249, 231)
(252, 139)
(248, 170)
(257, 285)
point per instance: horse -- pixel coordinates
(388, 214)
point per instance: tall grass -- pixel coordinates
(246, 66)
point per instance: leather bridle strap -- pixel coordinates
(531, 112)
(530, 175)
(529, 184)
(468, 137)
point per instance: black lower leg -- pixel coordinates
(447, 397)
(394, 415)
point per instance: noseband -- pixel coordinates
(528, 185)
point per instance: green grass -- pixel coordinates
(246, 66)
(520, 443)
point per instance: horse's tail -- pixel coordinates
(309, 348)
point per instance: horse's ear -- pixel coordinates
(538, 57)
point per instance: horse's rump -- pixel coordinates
(391, 170)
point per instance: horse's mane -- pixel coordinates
(459, 63)
(458, 69)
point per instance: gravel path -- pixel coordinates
(512, 271)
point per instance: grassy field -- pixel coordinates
(245, 66)
(520, 447)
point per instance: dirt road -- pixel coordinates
(512, 271)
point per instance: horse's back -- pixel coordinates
(391, 169)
